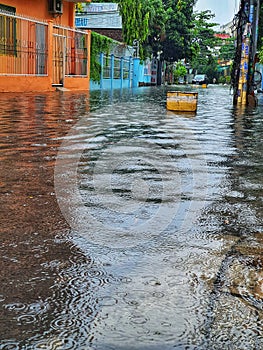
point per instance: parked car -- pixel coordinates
(200, 79)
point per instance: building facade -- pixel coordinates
(102, 18)
(40, 49)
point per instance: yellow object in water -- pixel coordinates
(204, 86)
(181, 101)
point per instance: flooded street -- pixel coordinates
(128, 227)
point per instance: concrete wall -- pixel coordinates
(39, 9)
(139, 75)
(10, 80)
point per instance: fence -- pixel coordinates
(74, 45)
(24, 48)
(116, 72)
(124, 72)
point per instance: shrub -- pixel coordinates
(222, 80)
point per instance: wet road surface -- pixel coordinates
(125, 226)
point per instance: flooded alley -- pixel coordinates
(125, 226)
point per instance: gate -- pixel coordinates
(59, 59)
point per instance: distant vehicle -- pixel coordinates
(200, 79)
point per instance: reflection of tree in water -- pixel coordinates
(236, 307)
(38, 262)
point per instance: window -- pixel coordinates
(7, 30)
(9, 9)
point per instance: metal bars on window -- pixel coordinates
(115, 67)
(23, 46)
(75, 51)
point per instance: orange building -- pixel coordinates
(39, 47)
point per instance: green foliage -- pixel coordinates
(227, 50)
(228, 79)
(79, 7)
(180, 71)
(260, 54)
(135, 22)
(170, 27)
(260, 29)
(202, 34)
(157, 26)
(178, 29)
(203, 43)
(99, 43)
(222, 79)
(161, 26)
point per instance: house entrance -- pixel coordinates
(59, 55)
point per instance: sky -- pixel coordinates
(224, 10)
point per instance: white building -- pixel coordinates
(227, 28)
(99, 16)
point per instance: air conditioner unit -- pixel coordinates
(55, 6)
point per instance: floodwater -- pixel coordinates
(125, 226)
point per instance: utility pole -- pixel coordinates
(247, 36)
(253, 18)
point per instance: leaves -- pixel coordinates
(169, 28)
(178, 26)
(99, 43)
(204, 43)
(180, 71)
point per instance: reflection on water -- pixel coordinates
(161, 248)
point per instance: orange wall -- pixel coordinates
(25, 83)
(39, 9)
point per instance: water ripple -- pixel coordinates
(171, 254)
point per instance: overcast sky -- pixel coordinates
(224, 10)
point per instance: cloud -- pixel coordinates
(224, 10)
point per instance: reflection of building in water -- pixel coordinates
(37, 259)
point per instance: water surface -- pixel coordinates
(126, 226)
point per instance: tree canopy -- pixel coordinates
(203, 44)
(161, 26)
(169, 29)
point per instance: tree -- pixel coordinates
(135, 22)
(161, 26)
(178, 29)
(203, 43)
(157, 26)
(260, 27)
(179, 72)
(227, 50)
(79, 7)
(171, 28)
